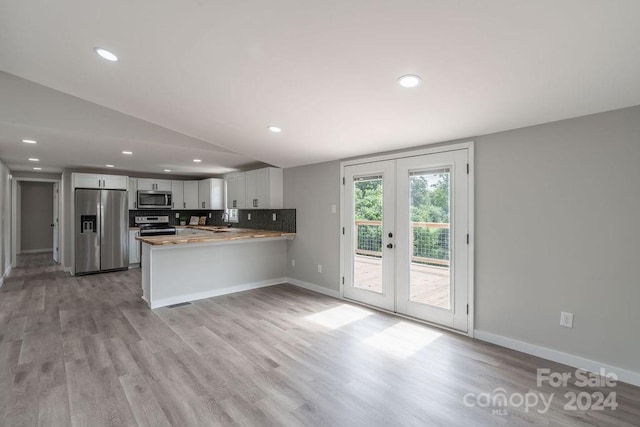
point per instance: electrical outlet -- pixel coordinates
(274, 217)
(248, 217)
(334, 209)
(177, 215)
(293, 263)
(319, 268)
(209, 214)
(566, 319)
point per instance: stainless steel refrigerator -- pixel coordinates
(102, 230)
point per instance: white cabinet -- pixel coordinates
(150, 184)
(190, 195)
(236, 191)
(134, 247)
(91, 180)
(263, 189)
(211, 193)
(132, 192)
(177, 194)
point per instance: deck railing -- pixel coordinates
(429, 240)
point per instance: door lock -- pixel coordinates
(390, 245)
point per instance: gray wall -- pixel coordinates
(311, 190)
(5, 219)
(36, 215)
(557, 228)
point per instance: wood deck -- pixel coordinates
(429, 285)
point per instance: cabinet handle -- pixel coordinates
(99, 183)
(202, 205)
(135, 204)
(255, 203)
(234, 203)
(184, 205)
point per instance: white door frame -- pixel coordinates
(471, 217)
(15, 210)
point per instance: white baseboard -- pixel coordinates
(216, 292)
(314, 288)
(623, 375)
(36, 251)
(5, 275)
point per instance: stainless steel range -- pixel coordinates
(155, 225)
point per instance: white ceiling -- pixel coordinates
(325, 71)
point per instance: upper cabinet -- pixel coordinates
(132, 192)
(177, 194)
(149, 184)
(263, 189)
(236, 191)
(190, 195)
(211, 193)
(101, 181)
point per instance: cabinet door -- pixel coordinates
(87, 180)
(134, 248)
(132, 192)
(177, 194)
(145, 184)
(204, 194)
(190, 195)
(163, 185)
(115, 182)
(236, 191)
(263, 189)
(251, 187)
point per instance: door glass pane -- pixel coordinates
(429, 267)
(367, 256)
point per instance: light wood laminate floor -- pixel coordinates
(86, 351)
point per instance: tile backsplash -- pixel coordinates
(260, 218)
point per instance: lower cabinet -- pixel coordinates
(134, 248)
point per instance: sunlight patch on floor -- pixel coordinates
(339, 316)
(402, 339)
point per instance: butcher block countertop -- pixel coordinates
(215, 234)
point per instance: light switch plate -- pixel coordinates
(274, 217)
(248, 217)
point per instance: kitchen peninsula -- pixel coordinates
(202, 262)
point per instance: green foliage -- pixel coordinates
(429, 202)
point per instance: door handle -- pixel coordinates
(390, 246)
(390, 234)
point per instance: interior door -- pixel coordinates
(432, 225)
(369, 229)
(55, 222)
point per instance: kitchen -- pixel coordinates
(110, 237)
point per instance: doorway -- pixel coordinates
(405, 245)
(35, 217)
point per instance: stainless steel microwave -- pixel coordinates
(154, 200)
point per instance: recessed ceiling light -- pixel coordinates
(29, 141)
(409, 81)
(109, 166)
(197, 160)
(109, 56)
(128, 153)
(33, 159)
(167, 170)
(275, 129)
(37, 169)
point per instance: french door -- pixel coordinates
(406, 231)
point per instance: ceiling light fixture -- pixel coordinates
(33, 159)
(128, 153)
(167, 170)
(37, 169)
(409, 80)
(29, 141)
(197, 160)
(274, 129)
(109, 166)
(109, 56)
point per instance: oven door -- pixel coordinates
(154, 199)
